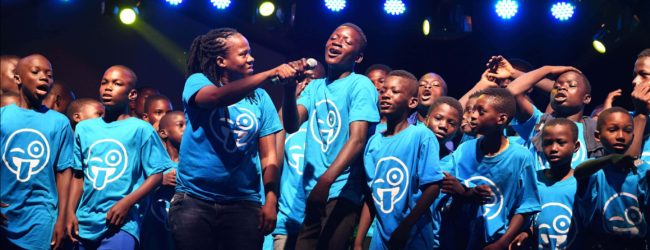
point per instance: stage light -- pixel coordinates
(506, 9)
(266, 8)
(174, 2)
(220, 4)
(426, 26)
(394, 7)
(335, 5)
(562, 10)
(128, 15)
(603, 39)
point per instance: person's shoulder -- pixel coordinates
(87, 124)
(422, 132)
(196, 77)
(360, 81)
(518, 150)
(57, 117)
(137, 123)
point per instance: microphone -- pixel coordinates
(311, 63)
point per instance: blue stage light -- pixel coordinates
(506, 9)
(562, 10)
(220, 4)
(335, 5)
(394, 7)
(174, 2)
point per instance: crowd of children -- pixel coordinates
(381, 161)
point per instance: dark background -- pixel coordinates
(81, 41)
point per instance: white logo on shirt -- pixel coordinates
(234, 134)
(26, 161)
(631, 221)
(391, 188)
(106, 162)
(325, 131)
(493, 207)
(557, 233)
(296, 153)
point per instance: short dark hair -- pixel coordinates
(452, 102)
(444, 83)
(602, 118)
(362, 35)
(408, 76)
(562, 122)
(76, 105)
(501, 100)
(584, 80)
(152, 99)
(378, 66)
(166, 119)
(644, 53)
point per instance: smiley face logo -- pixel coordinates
(326, 124)
(106, 162)
(493, 207)
(390, 183)
(622, 215)
(236, 133)
(25, 153)
(295, 154)
(555, 233)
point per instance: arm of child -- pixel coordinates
(212, 96)
(62, 188)
(292, 114)
(483, 83)
(400, 236)
(118, 214)
(522, 241)
(365, 220)
(76, 189)
(270, 170)
(641, 101)
(516, 222)
(350, 151)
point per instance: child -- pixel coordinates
(136, 107)
(431, 87)
(59, 98)
(555, 226)
(571, 92)
(608, 188)
(156, 232)
(119, 160)
(84, 109)
(403, 179)
(339, 109)
(377, 74)
(155, 107)
(496, 168)
(36, 157)
(228, 149)
(8, 98)
(7, 68)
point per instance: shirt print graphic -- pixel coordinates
(234, 134)
(106, 162)
(25, 153)
(390, 183)
(326, 124)
(493, 207)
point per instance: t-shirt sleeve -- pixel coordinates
(270, 122)
(193, 84)
(528, 200)
(363, 102)
(428, 167)
(64, 159)
(525, 128)
(153, 158)
(78, 155)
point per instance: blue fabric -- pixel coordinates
(331, 108)
(528, 129)
(219, 157)
(397, 169)
(613, 201)
(556, 226)
(156, 231)
(291, 209)
(34, 146)
(442, 201)
(119, 240)
(116, 158)
(512, 179)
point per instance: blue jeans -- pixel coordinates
(120, 240)
(200, 224)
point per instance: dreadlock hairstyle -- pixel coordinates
(203, 54)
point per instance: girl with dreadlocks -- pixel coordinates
(230, 133)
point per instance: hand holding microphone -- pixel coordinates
(293, 69)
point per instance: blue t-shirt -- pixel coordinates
(332, 107)
(527, 130)
(34, 146)
(512, 179)
(116, 158)
(219, 156)
(613, 202)
(556, 226)
(156, 231)
(397, 168)
(441, 203)
(291, 209)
